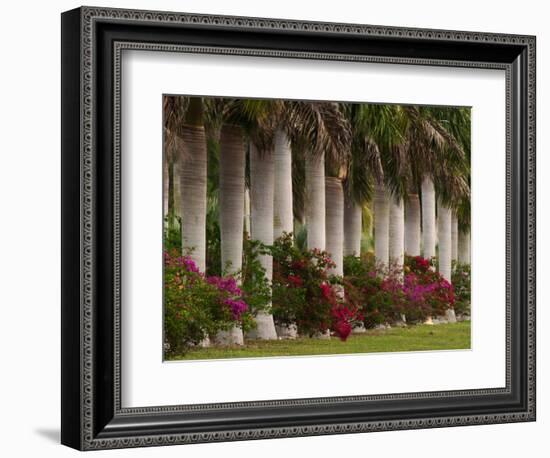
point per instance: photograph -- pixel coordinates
(284, 223)
(312, 227)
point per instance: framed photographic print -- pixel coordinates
(276, 228)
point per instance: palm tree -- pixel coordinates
(315, 203)
(464, 246)
(463, 217)
(381, 224)
(335, 222)
(282, 132)
(261, 224)
(428, 218)
(435, 161)
(396, 232)
(363, 169)
(283, 216)
(247, 210)
(444, 222)
(412, 225)
(232, 162)
(353, 226)
(320, 135)
(233, 116)
(454, 237)
(451, 176)
(374, 128)
(185, 136)
(165, 184)
(185, 121)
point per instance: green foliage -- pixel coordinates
(213, 239)
(300, 237)
(461, 278)
(256, 287)
(172, 234)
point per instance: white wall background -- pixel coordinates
(30, 229)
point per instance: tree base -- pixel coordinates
(450, 315)
(287, 332)
(322, 335)
(232, 337)
(265, 328)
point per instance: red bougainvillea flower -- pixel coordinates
(298, 265)
(342, 329)
(326, 290)
(294, 280)
(421, 262)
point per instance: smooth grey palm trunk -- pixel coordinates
(381, 225)
(353, 229)
(192, 186)
(397, 232)
(177, 187)
(454, 237)
(165, 185)
(232, 166)
(283, 216)
(444, 240)
(335, 222)
(261, 226)
(428, 218)
(315, 201)
(464, 249)
(444, 237)
(247, 211)
(412, 225)
(334, 226)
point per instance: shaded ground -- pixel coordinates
(414, 338)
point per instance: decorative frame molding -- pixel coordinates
(92, 40)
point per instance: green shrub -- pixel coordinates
(297, 291)
(306, 294)
(254, 284)
(462, 286)
(383, 294)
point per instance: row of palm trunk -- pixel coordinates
(333, 219)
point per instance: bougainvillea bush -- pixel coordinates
(427, 292)
(461, 282)
(196, 306)
(306, 294)
(377, 291)
(384, 295)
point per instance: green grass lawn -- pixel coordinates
(413, 338)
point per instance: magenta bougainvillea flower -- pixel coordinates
(237, 306)
(227, 284)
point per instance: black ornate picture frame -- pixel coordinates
(92, 42)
